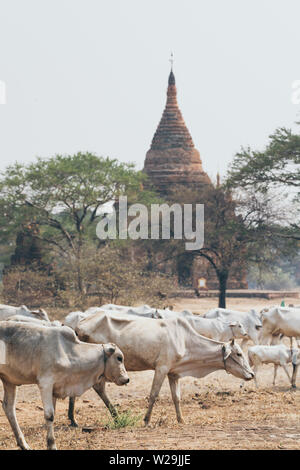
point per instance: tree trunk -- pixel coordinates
(79, 260)
(223, 277)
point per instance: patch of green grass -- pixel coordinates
(123, 420)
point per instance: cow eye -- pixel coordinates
(119, 358)
(257, 327)
(239, 354)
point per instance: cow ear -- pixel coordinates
(109, 349)
(227, 352)
(233, 323)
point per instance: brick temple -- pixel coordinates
(173, 160)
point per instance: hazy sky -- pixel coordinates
(92, 74)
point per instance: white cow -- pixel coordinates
(55, 360)
(146, 311)
(7, 311)
(280, 321)
(296, 363)
(141, 310)
(278, 354)
(124, 308)
(214, 328)
(37, 321)
(217, 328)
(171, 347)
(166, 313)
(250, 321)
(73, 318)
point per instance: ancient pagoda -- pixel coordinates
(173, 158)
(172, 162)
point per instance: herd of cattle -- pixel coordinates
(101, 344)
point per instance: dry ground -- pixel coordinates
(218, 413)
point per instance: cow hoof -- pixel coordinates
(25, 447)
(73, 424)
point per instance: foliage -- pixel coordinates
(29, 287)
(280, 270)
(64, 195)
(124, 419)
(112, 274)
(274, 279)
(234, 231)
(275, 170)
(277, 164)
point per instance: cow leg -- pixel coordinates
(159, 377)
(54, 404)
(175, 391)
(255, 367)
(275, 372)
(100, 390)
(275, 340)
(48, 403)
(286, 371)
(71, 415)
(9, 407)
(295, 370)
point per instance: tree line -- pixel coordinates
(251, 219)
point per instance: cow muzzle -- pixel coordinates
(123, 380)
(249, 376)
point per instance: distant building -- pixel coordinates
(173, 160)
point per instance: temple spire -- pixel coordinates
(172, 158)
(171, 80)
(172, 61)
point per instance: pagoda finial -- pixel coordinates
(171, 76)
(172, 61)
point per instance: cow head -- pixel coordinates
(186, 313)
(41, 314)
(114, 368)
(235, 362)
(157, 315)
(254, 326)
(237, 329)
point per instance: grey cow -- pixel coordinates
(171, 347)
(55, 360)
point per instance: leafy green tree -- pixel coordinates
(275, 171)
(64, 195)
(277, 164)
(112, 274)
(233, 234)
